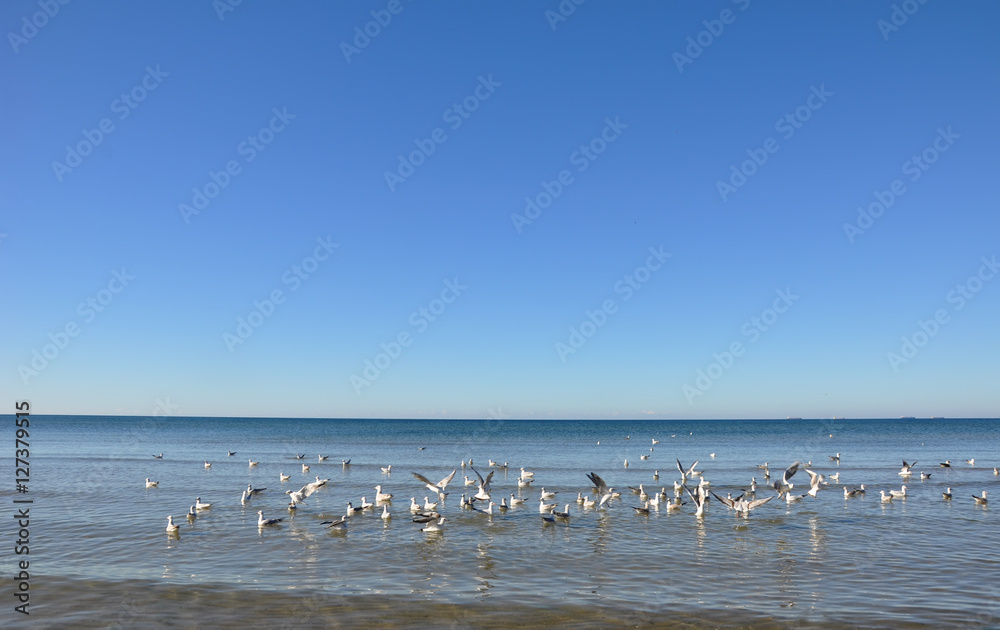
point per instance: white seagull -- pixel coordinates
(171, 526)
(264, 522)
(151, 484)
(198, 505)
(899, 494)
(439, 486)
(434, 527)
(191, 514)
(282, 476)
(252, 463)
(602, 488)
(381, 497)
(980, 500)
(815, 479)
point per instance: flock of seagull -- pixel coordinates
(427, 513)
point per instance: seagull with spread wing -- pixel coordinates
(439, 486)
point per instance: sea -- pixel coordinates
(100, 557)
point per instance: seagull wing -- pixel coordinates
(602, 487)
(486, 484)
(790, 472)
(680, 467)
(729, 503)
(444, 482)
(426, 481)
(759, 502)
(690, 470)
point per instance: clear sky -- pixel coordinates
(624, 210)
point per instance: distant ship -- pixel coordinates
(793, 418)
(907, 417)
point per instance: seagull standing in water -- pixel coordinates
(980, 500)
(264, 522)
(151, 484)
(815, 479)
(172, 527)
(201, 506)
(946, 495)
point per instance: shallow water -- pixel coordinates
(100, 556)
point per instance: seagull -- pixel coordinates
(483, 494)
(835, 458)
(264, 522)
(301, 494)
(626, 463)
(300, 456)
(469, 482)
(905, 470)
(945, 464)
(971, 462)
(151, 484)
(899, 494)
(201, 506)
(524, 473)
(740, 505)
(792, 498)
(700, 499)
(980, 500)
(601, 487)
(544, 507)
(387, 469)
(252, 491)
(685, 473)
(835, 477)
(231, 453)
(283, 476)
(351, 510)
(815, 479)
(655, 441)
(414, 506)
(252, 463)
(305, 468)
(924, 476)
(564, 515)
(644, 510)
(503, 505)
(160, 456)
(786, 484)
(433, 527)
(515, 501)
(319, 483)
(171, 526)
(380, 496)
(589, 503)
(340, 523)
(244, 498)
(886, 498)
(488, 510)
(656, 475)
(322, 458)
(644, 457)
(439, 486)
(345, 462)
(996, 471)
(547, 495)
(855, 492)
(191, 514)
(385, 516)
(208, 464)
(946, 494)
(522, 483)
(365, 505)
(428, 505)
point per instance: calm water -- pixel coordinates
(100, 556)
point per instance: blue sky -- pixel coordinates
(626, 131)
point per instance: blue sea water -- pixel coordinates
(921, 561)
